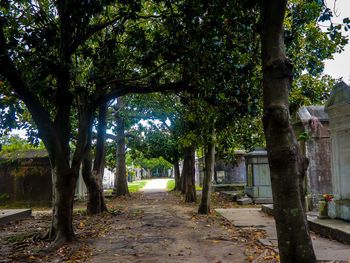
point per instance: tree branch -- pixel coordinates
(141, 89)
(139, 78)
(89, 33)
(23, 92)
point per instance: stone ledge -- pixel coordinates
(332, 228)
(7, 216)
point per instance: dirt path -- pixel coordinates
(148, 227)
(158, 229)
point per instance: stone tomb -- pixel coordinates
(338, 109)
(232, 172)
(311, 126)
(258, 176)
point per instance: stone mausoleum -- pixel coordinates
(338, 110)
(231, 172)
(258, 176)
(25, 178)
(311, 126)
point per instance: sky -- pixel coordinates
(339, 67)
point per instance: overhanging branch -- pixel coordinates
(121, 90)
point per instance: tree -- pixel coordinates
(120, 183)
(209, 146)
(287, 164)
(160, 137)
(93, 173)
(38, 44)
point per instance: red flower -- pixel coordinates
(328, 197)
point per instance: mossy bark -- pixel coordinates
(189, 174)
(287, 165)
(120, 183)
(204, 207)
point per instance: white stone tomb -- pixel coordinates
(338, 110)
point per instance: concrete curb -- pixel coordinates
(7, 216)
(332, 228)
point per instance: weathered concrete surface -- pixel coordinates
(332, 228)
(325, 249)
(7, 216)
(25, 177)
(245, 201)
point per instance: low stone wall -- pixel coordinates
(25, 178)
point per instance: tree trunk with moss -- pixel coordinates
(287, 165)
(177, 175)
(120, 182)
(204, 207)
(189, 174)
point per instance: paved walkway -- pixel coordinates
(325, 249)
(156, 186)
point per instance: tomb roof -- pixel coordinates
(340, 93)
(305, 113)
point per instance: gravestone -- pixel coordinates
(311, 126)
(338, 110)
(258, 176)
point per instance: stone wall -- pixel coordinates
(25, 178)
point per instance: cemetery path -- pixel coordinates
(158, 227)
(147, 227)
(156, 186)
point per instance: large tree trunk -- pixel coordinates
(95, 202)
(64, 182)
(177, 175)
(120, 182)
(189, 174)
(100, 154)
(204, 207)
(287, 164)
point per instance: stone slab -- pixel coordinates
(232, 195)
(245, 217)
(9, 215)
(332, 228)
(267, 209)
(263, 200)
(325, 249)
(244, 201)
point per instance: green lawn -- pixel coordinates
(137, 185)
(171, 185)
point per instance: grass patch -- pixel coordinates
(170, 184)
(198, 188)
(137, 185)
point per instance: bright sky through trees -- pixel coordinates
(339, 67)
